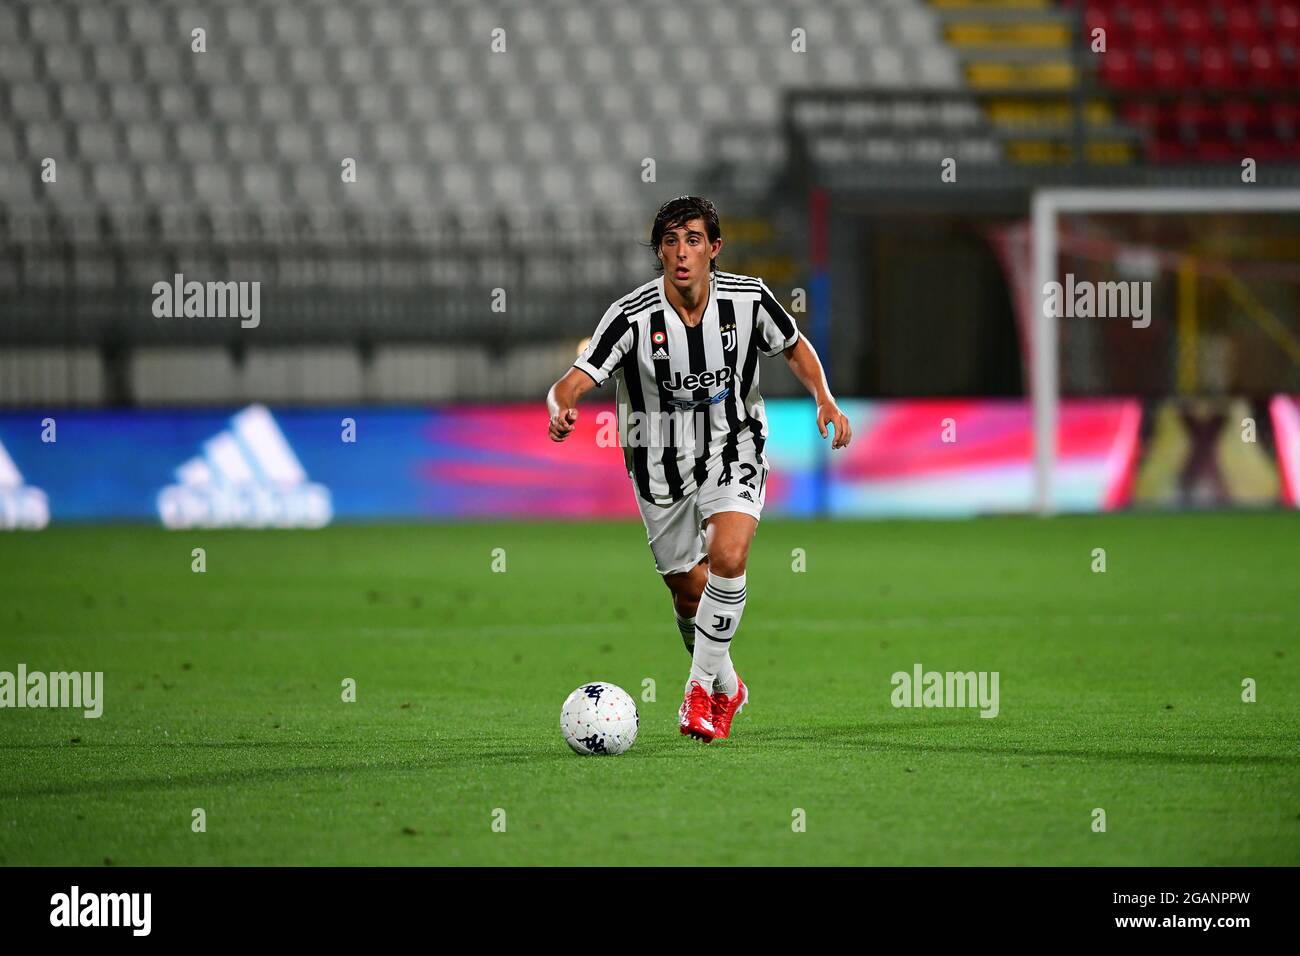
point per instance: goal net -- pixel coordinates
(1187, 301)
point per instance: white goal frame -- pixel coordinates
(1045, 381)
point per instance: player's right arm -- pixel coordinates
(562, 401)
(604, 352)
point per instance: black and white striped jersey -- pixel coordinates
(688, 396)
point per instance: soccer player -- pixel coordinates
(683, 350)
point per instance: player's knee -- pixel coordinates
(728, 561)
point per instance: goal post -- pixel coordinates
(1043, 323)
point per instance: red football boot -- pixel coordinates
(725, 708)
(696, 716)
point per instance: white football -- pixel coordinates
(599, 718)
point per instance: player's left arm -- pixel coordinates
(807, 368)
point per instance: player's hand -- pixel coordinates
(828, 413)
(562, 423)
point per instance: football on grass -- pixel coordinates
(599, 718)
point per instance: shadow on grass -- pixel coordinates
(869, 735)
(462, 753)
(431, 761)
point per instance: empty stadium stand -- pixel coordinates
(505, 145)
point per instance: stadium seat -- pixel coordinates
(426, 373)
(82, 102)
(229, 102)
(1193, 25)
(213, 182)
(18, 64)
(50, 24)
(178, 104)
(261, 64)
(1264, 70)
(48, 139)
(97, 140)
(297, 375)
(43, 376)
(1217, 70)
(294, 142)
(67, 65)
(1168, 71)
(269, 66)
(276, 103)
(163, 182)
(1286, 23)
(1241, 24)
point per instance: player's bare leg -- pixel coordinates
(686, 588)
(727, 536)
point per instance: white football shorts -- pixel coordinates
(675, 531)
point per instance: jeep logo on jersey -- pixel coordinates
(707, 379)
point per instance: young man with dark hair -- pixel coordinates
(683, 349)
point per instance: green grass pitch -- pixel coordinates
(1120, 691)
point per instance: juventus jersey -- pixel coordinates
(688, 396)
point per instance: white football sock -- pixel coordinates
(726, 679)
(716, 621)
(726, 682)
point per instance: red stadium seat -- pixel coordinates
(1192, 116)
(1141, 113)
(1168, 151)
(1264, 69)
(1242, 115)
(1285, 119)
(1216, 46)
(1217, 151)
(1193, 25)
(1168, 70)
(1264, 150)
(1241, 24)
(1286, 23)
(1217, 71)
(1118, 69)
(1145, 26)
(1096, 17)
